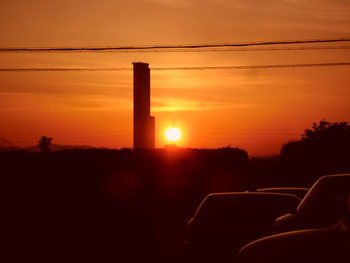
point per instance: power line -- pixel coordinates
(260, 66)
(64, 69)
(178, 46)
(192, 50)
(332, 64)
(258, 129)
(203, 50)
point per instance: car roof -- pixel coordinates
(225, 204)
(298, 191)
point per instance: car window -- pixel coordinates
(242, 205)
(327, 195)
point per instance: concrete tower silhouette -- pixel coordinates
(144, 123)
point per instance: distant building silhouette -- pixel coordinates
(144, 123)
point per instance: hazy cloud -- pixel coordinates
(172, 3)
(170, 104)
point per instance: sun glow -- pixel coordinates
(173, 134)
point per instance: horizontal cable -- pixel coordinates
(192, 50)
(259, 66)
(179, 46)
(332, 64)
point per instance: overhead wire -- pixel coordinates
(185, 50)
(329, 64)
(177, 46)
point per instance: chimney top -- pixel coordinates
(140, 65)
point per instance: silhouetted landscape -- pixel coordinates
(111, 205)
(175, 131)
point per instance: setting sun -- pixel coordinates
(173, 134)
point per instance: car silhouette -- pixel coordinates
(323, 206)
(328, 244)
(224, 222)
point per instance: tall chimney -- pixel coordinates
(144, 123)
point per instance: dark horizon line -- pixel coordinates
(165, 147)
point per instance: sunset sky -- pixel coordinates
(256, 109)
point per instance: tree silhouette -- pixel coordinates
(325, 147)
(45, 143)
(327, 131)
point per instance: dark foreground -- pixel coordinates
(125, 206)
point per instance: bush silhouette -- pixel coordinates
(44, 144)
(323, 147)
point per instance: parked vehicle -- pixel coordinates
(328, 244)
(323, 206)
(298, 191)
(224, 222)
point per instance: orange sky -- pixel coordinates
(257, 110)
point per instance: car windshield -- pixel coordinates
(233, 206)
(328, 194)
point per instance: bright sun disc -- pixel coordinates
(173, 134)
